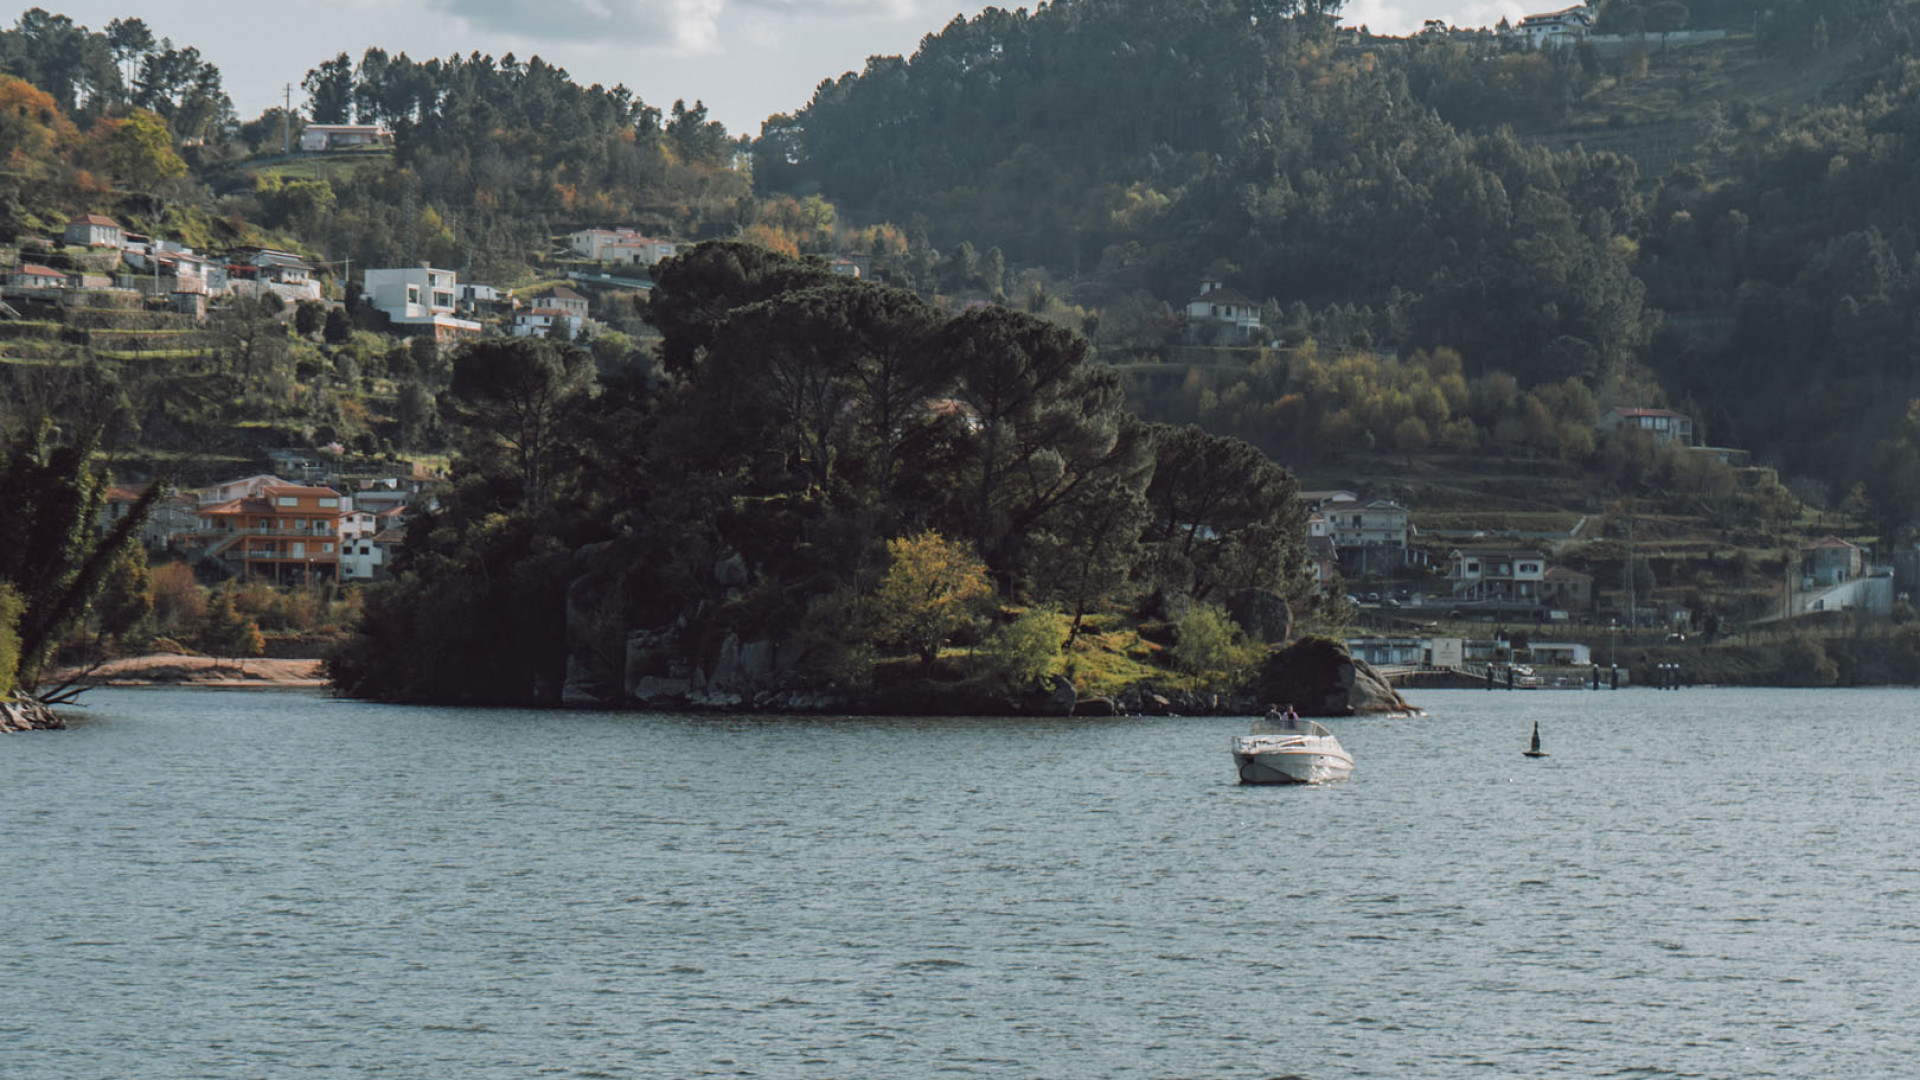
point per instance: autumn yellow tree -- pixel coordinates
(933, 588)
(136, 149)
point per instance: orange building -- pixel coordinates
(285, 535)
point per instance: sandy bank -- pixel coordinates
(169, 670)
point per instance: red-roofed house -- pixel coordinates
(35, 276)
(93, 230)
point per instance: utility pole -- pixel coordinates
(286, 124)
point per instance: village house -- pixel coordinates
(1554, 29)
(566, 300)
(287, 535)
(1665, 425)
(239, 489)
(365, 558)
(93, 230)
(1509, 575)
(1831, 560)
(547, 322)
(281, 272)
(1565, 589)
(35, 276)
(622, 246)
(1217, 307)
(319, 137)
(419, 297)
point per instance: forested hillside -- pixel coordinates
(1437, 190)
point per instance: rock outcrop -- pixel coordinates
(1318, 677)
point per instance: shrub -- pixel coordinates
(1024, 650)
(1208, 644)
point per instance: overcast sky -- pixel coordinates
(747, 59)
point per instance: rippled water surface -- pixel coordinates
(200, 884)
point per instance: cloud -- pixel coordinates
(676, 25)
(681, 26)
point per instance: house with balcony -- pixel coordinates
(286, 535)
(1554, 29)
(1371, 536)
(1217, 310)
(419, 298)
(1504, 575)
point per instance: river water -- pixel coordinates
(1718, 883)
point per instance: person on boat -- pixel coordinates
(1273, 712)
(1290, 714)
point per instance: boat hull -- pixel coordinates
(1291, 757)
(1292, 767)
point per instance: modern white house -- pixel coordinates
(420, 298)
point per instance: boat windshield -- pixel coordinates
(1289, 726)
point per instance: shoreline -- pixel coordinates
(163, 669)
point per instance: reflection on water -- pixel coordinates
(210, 885)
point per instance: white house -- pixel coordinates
(367, 557)
(245, 488)
(357, 523)
(1216, 303)
(93, 230)
(35, 276)
(419, 297)
(1374, 523)
(622, 245)
(1556, 28)
(567, 300)
(1665, 425)
(547, 322)
(317, 137)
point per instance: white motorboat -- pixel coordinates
(1290, 751)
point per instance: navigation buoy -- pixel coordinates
(1534, 750)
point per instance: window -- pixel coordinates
(413, 294)
(329, 502)
(442, 298)
(286, 500)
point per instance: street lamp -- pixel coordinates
(1612, 625)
